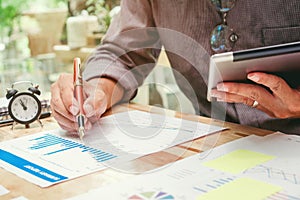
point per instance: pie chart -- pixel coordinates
(153, 195)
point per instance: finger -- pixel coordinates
(70, 130)
(234, 98)
(96, 102)
(267, 102)
(57, 105)
(66, 89)
(231, 97)
(63, 122)
(253, 92)
(276, 84)
(88, 125)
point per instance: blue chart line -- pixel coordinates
(274, 173)
(214, 184)
(282, 196)
(49, 140)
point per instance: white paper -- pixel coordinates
(142, 133)
(3, 190)
(51, 157)
(189, 178)
(20, 198)
(47, 158)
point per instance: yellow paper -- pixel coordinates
(242, 188)
(238, 161)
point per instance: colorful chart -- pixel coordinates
(213, 184)
(154, 195)
(46, 141)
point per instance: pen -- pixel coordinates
(78, 93)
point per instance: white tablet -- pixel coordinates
(282, 60)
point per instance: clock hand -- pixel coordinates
(23, 105)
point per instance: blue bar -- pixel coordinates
(225, 181)
(52, 138)
(199, 189)
(37, 138)
(219, 182)
(86, 149)
(30, 167)
(73, 145)
(108, 158)
(101, 154)
(101, 157)
(105, 158)
(60, 150)
(211, 186)
(47, 144)
(93, 151)
(67, 142)
(49, 140)
(96, 151)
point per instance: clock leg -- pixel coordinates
(39, 121)
(13, 125)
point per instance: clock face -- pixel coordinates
(24, 108)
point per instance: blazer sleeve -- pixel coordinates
(129, 49)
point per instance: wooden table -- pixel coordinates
(20, 187)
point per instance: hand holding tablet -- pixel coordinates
(281, 60)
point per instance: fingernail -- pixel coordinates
(222, 88)
(89, 110)
(88, 125)
(253, 77)
(74, 110)
(215, 94)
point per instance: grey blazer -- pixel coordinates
(132, 44)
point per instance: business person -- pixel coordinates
(190, 31)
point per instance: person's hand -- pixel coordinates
(281, 102)
(65, 107)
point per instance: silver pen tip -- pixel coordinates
(81, 132)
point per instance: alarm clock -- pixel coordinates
(24, 107)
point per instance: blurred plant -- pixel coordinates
(42, 5)
(101, 9)
(10, 12)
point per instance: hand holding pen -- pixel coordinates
(78, 93)
(88, 108)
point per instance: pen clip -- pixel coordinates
(77, 76)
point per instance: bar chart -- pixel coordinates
(47, 158)
(49, 140)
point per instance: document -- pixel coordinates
(271, 172)
(3, 190)
(141, 133)
(50, 157)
